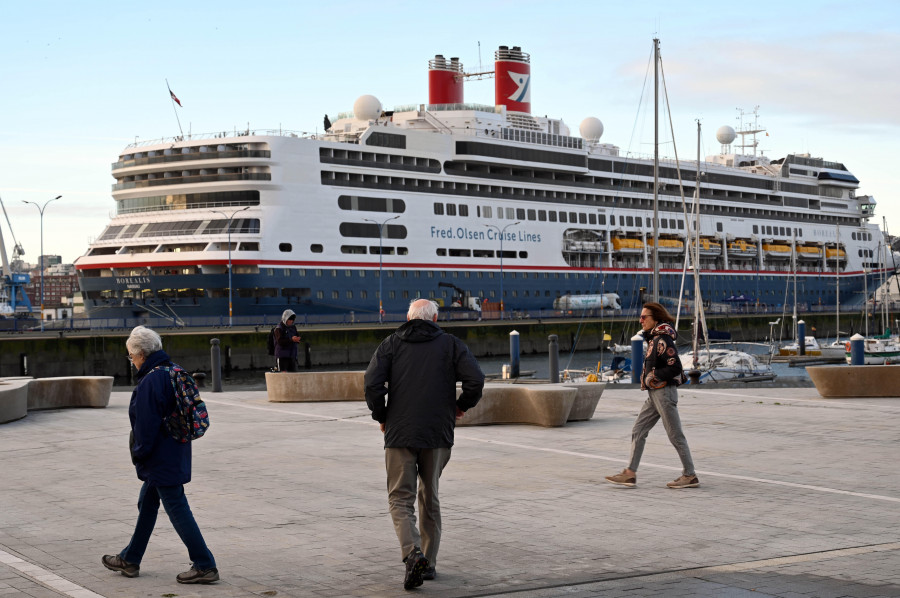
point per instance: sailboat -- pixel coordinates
(719, 363)
(811, 346)
(883, 349)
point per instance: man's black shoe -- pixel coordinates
(429, 574)
(416, 564)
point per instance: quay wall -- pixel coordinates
(104, 354)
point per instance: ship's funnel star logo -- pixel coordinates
(523, 93)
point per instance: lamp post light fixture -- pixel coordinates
(41, 210)
(230, 312)
(500, 232)
(380, 226)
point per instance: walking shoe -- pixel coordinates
(429, 574)
(416, 564)
(196, 575)
(685, 481)
(114, 562)
(622, 479)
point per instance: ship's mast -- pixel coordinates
(752, 130)
(654, 254)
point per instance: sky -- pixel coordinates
(82, 80)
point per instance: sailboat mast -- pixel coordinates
(696, 245)
(654, 255)
(837, 287)
(794, 269)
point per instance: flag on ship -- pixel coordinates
(174, 97)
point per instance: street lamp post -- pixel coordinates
(380, 226)
(500, 232)
(230, 313)
(41, 210)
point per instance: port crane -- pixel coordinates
(13, 298)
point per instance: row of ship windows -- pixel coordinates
(187, 201)
(319, 273)
(394, 161)
(450, 209)
(346, 179)
(184, 227)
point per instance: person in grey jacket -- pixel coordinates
(416, 369)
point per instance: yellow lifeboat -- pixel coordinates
(668, 245)
(809, 252)
(776, 250)
(831, 253)
(710, 247)
(741, 248)
(627, 245)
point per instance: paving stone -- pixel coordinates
(291, 499)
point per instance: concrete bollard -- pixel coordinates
(637, 358)
(553, 352)
(215, 365)
(857, 349)
(513, 354)
(801, 341)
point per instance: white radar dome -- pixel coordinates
(591, 129)
(367, 108)
(725, 135)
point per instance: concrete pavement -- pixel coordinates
(800, 497)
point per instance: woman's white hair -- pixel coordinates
(144, 341)
(422, 309)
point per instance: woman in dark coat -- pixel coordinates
(162, 463)
(286, 340)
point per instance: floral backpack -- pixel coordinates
(189, 420)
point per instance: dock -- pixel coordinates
(291, 500)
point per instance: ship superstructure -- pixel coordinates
(459, 192)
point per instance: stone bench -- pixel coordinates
(18, 396)
(548, 405)
(300, 387)
(502, 403)
(13, 399)
(69, 391)
(852, 381)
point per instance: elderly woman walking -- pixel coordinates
(162, 463)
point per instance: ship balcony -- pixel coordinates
(198, 153)
(192, 179)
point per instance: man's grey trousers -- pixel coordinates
(406, 466)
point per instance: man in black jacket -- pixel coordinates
(420, 364)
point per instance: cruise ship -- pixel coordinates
(386, 205)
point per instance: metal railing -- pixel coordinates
(190, 180)
(264, 322)
(181, 157)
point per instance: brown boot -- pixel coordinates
(623, 479)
